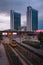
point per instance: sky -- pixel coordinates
(19, 6)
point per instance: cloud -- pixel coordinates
(19, 6)
(40, 24)
(38, 4)
(23, 19)
(6, 6)
(4, 21)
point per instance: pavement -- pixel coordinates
(3, 57)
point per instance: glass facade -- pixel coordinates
(17, 21)
(34, 19)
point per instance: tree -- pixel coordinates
(40, 37)
(1, 36)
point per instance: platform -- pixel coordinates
(3, 57)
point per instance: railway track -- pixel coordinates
(16, 57)
(12, 55)
(27, 62)
(25, 56)
(22, 58)
(30, 56)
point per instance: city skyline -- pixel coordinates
(19, 6)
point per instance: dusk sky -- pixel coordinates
(21, 7)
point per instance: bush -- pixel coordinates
(31, 43)
(1, 36)
(40, 37)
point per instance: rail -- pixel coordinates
(33, 50)
(11, 55)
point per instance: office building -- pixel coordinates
(32, 19)
(15, 20)
(23, 28)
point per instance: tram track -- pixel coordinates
(27, 62)
(24, 55)
(21, 57)
(29, 55)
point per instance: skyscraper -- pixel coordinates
(32, 19)
(15, 20)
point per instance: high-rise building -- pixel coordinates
(32, 19)
(15, 20)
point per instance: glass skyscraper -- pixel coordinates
(32, 19)
(15, 19)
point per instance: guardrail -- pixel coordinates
(13, 58)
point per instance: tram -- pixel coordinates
(13, 43)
